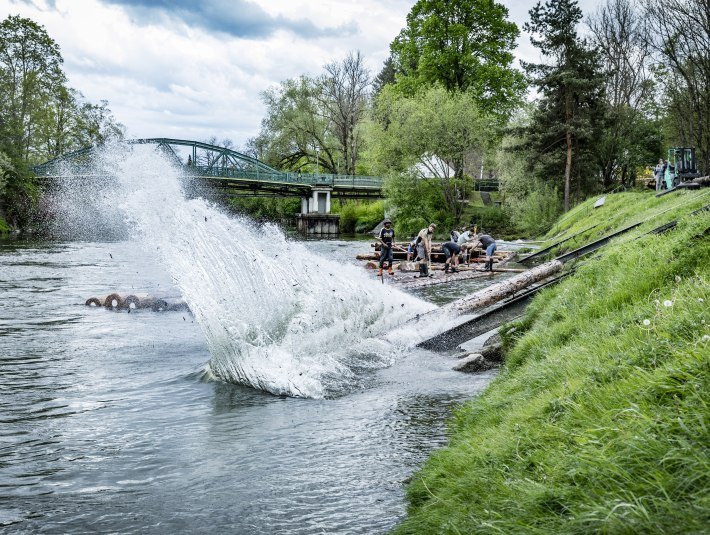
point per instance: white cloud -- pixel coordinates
(163, 78)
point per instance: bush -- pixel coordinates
(19, 193)
(358, 216)
(491, 220)
(535, 213)
(271, 208)
(417, 202)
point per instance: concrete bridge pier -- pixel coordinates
(315, 218)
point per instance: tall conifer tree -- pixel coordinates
(570, 87)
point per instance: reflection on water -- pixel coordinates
(107, 424)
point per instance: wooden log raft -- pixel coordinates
(496, 292)
(399, 252)
(465, 272)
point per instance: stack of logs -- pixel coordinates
(399, 253)
(115, 301)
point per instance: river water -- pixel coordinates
(204, 420)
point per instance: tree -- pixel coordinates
(95, 124)
(571, 87)
(680, 35)
(427, 137)
(315, 121)
(30, 75)
(293, 132)
(388, 75)
(344, 99)
(630, 136)
(41, 116)
(464, 45)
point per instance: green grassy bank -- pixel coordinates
(599, 421)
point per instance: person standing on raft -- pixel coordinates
(423, 243)
(489, 244)
(387, 241)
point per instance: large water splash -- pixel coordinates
(275, 316)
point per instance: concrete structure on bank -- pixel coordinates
(315, 218)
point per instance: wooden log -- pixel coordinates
(509, 270)
(501, 290)
(411, 283)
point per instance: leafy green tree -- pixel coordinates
(18, 192)
(293, 132)
(30, 76)
(428, 136)
(416, 202)
(40, 116)
(571, 87)
(5, 170)
(95, 124)
(464, 45)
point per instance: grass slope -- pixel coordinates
(599, 421)
(584, 223)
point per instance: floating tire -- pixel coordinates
(113, 301)
(93, 302)
(131, 301)
(159, 305)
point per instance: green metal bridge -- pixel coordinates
(224, 171)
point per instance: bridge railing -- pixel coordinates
(306, 179)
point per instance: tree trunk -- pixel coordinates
(501, 290)
(568, 169)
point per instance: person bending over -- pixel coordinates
(489, 244)
(451, 250)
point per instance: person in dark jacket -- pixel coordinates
(489, 245)
(386, 243)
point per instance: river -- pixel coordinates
(113, 421)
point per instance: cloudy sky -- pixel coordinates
(194, 69)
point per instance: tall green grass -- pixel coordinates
(584, 223)
(599, 421)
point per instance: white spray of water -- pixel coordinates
(275, 316)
